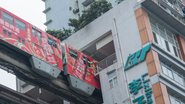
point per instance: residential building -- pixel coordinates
(140, 47)
(58, 12)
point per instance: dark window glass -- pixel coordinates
(36, 33)
(87, 61)
(7, 18)
(52, 42)
(20, 25)
(4, 31)
(155, 37)
(73, 53)
(175, 51)
(167, 46)
(9, 34)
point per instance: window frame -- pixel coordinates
(73, 53)
(162, 35)
(166, 69)
(112, 78)
(53, 44)
(5, 14)
(36, 32)
(22, 24)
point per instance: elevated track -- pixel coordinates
(16, 61)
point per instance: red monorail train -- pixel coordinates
(49, 57)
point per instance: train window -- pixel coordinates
(4, 31)
(36, 33)
(73, 53)
(9, 34)
(20, 25)
(7, 18)
(52, 42)
(87, 61)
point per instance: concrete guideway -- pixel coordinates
(18, 62)
(11, 96)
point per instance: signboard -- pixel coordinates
(137, 57)
(141, 90)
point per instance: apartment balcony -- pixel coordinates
(106, 62)
(168, 10)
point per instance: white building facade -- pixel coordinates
(58, 12)
(140, 49)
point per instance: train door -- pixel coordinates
(52, 50)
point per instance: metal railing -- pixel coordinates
(174, 9)
(106, 62)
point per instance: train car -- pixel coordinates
(80, 70)
(48, 56)
(30, 39)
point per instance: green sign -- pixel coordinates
(135, 87)
(137, 57)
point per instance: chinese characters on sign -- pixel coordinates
(137, 85)
(137, 57)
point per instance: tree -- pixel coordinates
(96, 9)
(60, 34)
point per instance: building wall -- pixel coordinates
(122, 24)
(129, 25)
(61, 11)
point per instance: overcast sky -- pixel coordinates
(29, 10)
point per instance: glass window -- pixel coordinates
(164, 69)
(20, 25)
(165, 38)
(172, 100)
(167, 46)
(73, 53)
(178, 78)
(52, 42)
(170, 73)
(87, 61)
(36, 33)
(7, 18)
(173, 74)
(155, 38)
(112, 78)
(175, 100)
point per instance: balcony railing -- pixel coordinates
(106, 62)
(173, 7)
(169, 12)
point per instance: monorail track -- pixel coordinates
(17, 62)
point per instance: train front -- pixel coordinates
(80, 70)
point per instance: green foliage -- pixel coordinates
(96, 9)
(60, 34)
(119, 1)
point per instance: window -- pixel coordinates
(73, 53)
(168, 71)
(178, 78)
(112, 78)
(165, 38)
(7, 18)
(20, 25)
(52, 42)
(87, 61)
(175, 100)
(36, 33)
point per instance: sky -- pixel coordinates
(29, 10)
